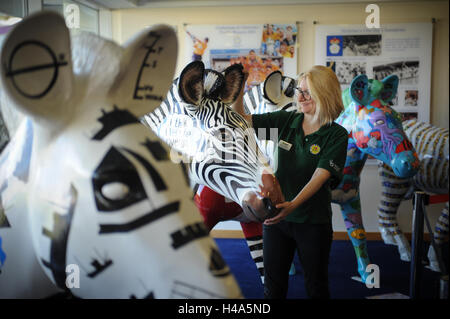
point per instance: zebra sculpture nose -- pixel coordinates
(405, 165)
(260, 206)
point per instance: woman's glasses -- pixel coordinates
(306, 95)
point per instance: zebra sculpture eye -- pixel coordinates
(379, 122)
(115, 191)
(116, 188)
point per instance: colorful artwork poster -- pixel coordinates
(260, 48)
(401, 49)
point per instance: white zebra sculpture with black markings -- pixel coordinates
(431, 144)
(89, 201)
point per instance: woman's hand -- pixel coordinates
(286, 209)
(319, 177)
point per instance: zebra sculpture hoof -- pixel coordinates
(434, 264)
(387, 236)
(405, 254)
(404, 249)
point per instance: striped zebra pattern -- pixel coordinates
(431, 144)
(232, 161)
(229, 163)
(255, 244)
(259, 99)
(165, 115)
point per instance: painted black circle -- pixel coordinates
(54, 64)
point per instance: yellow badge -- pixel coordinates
(314, 149)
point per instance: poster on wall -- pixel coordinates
(260, 48)
(401, 49)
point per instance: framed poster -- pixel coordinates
(402, 49)
(260, 48)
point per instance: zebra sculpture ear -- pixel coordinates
(390, 86)
(279, 90)
(190, 84)
(147, 69)
(288, 86)
(36, 66)
(234, 79)
(272, 87)
(359, 89)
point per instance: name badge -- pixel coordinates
(284, 145)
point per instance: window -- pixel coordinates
(79, 17)
(13, 8)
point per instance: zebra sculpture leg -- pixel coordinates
(253, 235)
(440, 236)
(351, 212)
(347, 196)
(393, 192)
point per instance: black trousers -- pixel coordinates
(313, 244)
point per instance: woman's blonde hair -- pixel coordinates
(326, 92)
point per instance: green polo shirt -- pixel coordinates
(298, 156)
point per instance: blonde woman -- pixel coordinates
(311, 156)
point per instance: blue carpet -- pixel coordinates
(394, 273)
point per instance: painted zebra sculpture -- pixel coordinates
(374, 128)
(234, 168)
(431, 143)
(89, 200)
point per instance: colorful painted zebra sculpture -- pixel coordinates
(89, 200)
(206, 123)
(374, 128)
(431, 143)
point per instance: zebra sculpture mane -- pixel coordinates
(89, 201)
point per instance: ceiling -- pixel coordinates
(129, 4)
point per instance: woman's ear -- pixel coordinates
(389, 90)
(190, 84)
(147, 69)
(36, 65)
(234, 79)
